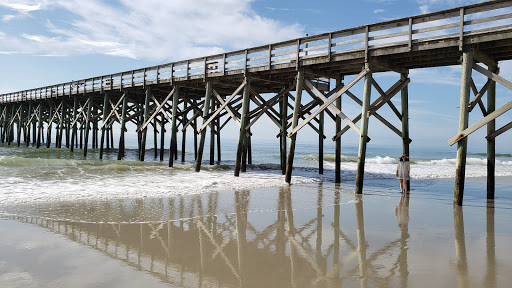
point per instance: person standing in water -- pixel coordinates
(403, 170)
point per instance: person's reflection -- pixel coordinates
(402, 218)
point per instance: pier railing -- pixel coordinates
(454, 27)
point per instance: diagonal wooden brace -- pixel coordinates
(478, 96)
(482, 122)
(377, 104)
(223, 105)
(328, 102)
(228, 108)
(157, 109)
(113, 111)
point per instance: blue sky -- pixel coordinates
(45, 42)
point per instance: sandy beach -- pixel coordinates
(305, 235)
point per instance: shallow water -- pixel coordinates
(71, 221)
(306, 235)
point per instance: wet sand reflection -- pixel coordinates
(197, 246)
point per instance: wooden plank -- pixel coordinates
(492, 76)
(228, 108)
(482, 122)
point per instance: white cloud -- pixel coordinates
(377, 11)
(175, 30)
(7, 18)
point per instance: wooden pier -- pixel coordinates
(206, 93)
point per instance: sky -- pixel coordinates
(44, 42)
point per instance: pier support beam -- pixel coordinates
(87, 125)
(39, 126)
(291, 150)
(142, 151)
(29, 123)
(121, 146)
(337, 148)
(405, 121)
(283, 109)
(106, 111)
(174, 135)
(206, 110)
(162, 136)
(491, 146)
(364, 129)
(462, 145)
(75, 123)
(242, 141)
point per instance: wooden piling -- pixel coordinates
(183, 131)
(206, 109)
(155, 137)
(121, 146)
(212, 135)
(364, 129)
(218, 128)
(283, 109)
(174, 135)
(20, 124)
(40, 126)
(142, 151)
(337, 147)
(106, 112)
(29, 122)
(243, 121)
(162, 136)
(74, 128)
(296, 111)
(87, 125)
(405, 121)
(491, 146)
(462, 145)
(61, 122)
(321, 143)
(50, 124)
(194, 125)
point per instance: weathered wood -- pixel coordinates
(206, 109)
(321, 144)
(491, 145)
(243, 122)
(29, 122)
(87, 125)
(145, 130)
(74, 128)
(460, 170)
(106, 111)
(218, 128)
(337, 145)
(212, 134)
(39, 126)
(491, 116)
(295, 119)
(61, 122)
(183, 131)
(328, 103)
(205, 123)
(405, 121)
(162, 137)
(283, 108)
(364, 129)
(121, 147)
(174, 135)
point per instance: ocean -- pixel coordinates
(31, 175)
(70, 221)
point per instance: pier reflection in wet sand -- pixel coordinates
(278, 238)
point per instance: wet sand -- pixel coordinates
(314, 235)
